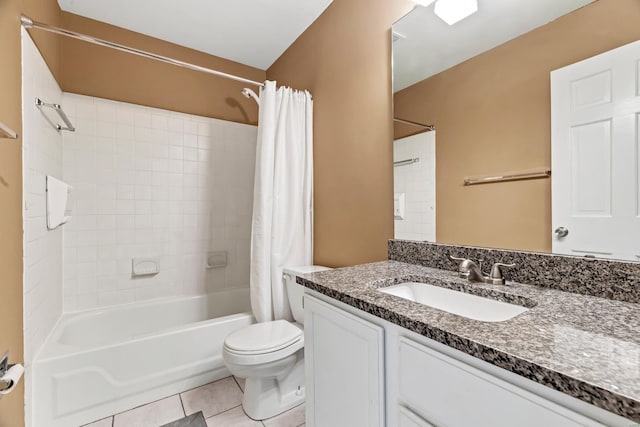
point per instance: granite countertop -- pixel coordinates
(584, 346)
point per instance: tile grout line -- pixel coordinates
(113, 417)
(237, 383)
(182, 404)
(144, 404)
(203, 385)
(220, 413)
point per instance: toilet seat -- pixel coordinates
(263, 342)
(263, 337)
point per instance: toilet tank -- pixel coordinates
(294, 290)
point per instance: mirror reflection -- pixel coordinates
(487, 84)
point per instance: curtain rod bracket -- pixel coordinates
(26, 21)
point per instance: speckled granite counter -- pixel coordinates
(584, 346)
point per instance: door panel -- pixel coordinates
(595, 109)
(591, 90)
(591, 169)
(449, 393)
(344, 368)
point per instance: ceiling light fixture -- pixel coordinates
(452, 11)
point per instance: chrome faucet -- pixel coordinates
(471, 271)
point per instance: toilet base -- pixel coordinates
(267, 397)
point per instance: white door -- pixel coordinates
(344, 368)
(595, 115)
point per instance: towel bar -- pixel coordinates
(61, 113)
(7, 132)
(546, 173)
(406, 162)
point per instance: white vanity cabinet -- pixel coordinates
(344, 363)
(446, 392)
(364, 371)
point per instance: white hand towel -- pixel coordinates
(57, 196)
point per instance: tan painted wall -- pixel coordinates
(107, 73)
(492, 114)
(11, 406)
(344, 60)
(11, 339)
(48, 44)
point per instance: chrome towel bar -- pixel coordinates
(406, 162)
(58, 109)
(7, 132)
(546, 173)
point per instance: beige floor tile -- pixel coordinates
(212, 398)
(106, 422)
(240, 382)
(232, 418)
(292, 418)
(151, 415)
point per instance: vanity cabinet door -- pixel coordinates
(449, 393)
(344, 368)
(406, 418)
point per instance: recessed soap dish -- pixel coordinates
(217, 259)
(145, 266)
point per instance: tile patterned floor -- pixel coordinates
(219, 401)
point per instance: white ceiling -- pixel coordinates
(252, 32)
(432, 46)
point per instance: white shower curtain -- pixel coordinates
(282, 227)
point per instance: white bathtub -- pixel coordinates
(105, 361)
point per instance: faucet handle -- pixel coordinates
(462, 271)
(477, 261)
(496, 274)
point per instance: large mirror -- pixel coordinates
(476, 158)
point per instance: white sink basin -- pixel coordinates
(460, 303)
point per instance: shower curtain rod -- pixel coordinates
(30, 23)
(409, 122)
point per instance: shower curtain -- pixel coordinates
(282, 224)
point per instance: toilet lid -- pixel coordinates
(263, 337)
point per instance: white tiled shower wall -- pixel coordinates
(42, 156)
(418, 183)
(153, 183)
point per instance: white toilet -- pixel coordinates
(270, 355)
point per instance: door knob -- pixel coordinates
(561, 232)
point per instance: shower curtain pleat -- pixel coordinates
(282, 225)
